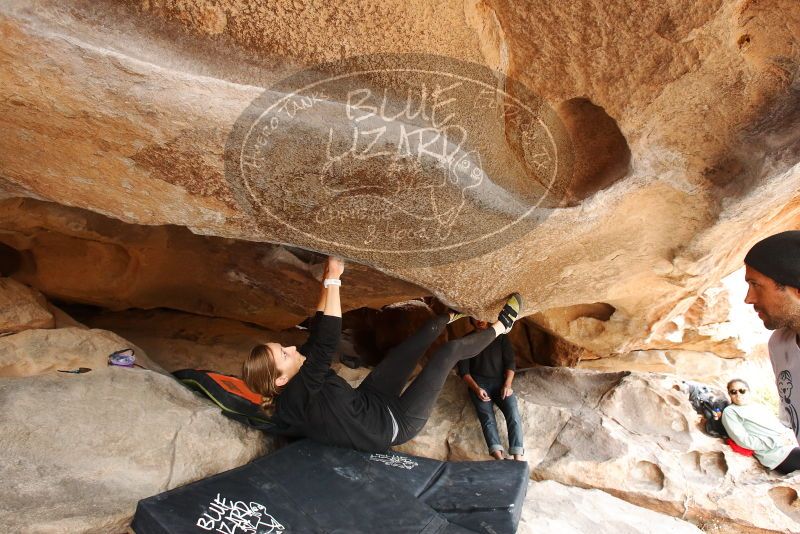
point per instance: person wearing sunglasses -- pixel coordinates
(773, 277)
(753, 426)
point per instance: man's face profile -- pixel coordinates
(777, 307)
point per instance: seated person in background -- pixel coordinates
(303, 396)
(754, 426)
(489, 376)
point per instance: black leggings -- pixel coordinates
(791, 463)
(412, 409)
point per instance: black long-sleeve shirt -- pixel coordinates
(492, 362)
(319, 404)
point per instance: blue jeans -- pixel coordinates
(485, 411)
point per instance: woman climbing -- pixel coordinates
(753, 426)
(304, 397)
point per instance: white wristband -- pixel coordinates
(331, 282)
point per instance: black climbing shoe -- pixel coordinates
(510, 311)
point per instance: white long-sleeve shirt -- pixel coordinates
(753, 426)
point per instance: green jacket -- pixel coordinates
(753, 426)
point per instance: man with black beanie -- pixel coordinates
(773, 276)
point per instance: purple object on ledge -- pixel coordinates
(122, 358)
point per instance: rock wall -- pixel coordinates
(23, 308)
(683, 127)
(81, 449)
(79, 256)
(118, 436)
(552, 508)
